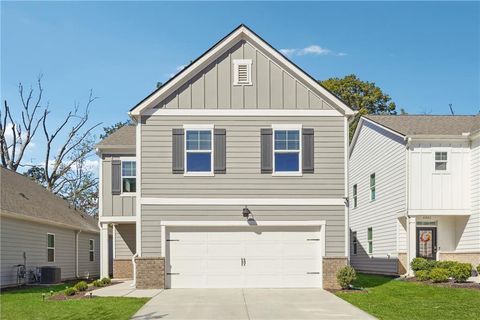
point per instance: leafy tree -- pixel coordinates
(363, 96)
(111, 129)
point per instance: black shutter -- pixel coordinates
(220, 151)
(266, 151)
(116, 177)
(177, 151)
(307, 150)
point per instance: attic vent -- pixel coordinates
(242, 72)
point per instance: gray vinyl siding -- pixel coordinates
(114, 205)
(18, 236)
(85, 266)
(272, 86)
(377, 151)
(152, 215)
(124, 241)
(243, 176)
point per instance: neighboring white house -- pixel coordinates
(39, 229)
(414, 190)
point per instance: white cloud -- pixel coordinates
(310, 50)
(9, 136)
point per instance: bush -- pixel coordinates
(98, 283)
(478, 269)
(422, 275)
(461, 272)
(106, 281)
(81, 286)
(439, 275)
(422, 264)
(70, 291)
(346, 276)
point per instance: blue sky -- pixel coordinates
(425, 55)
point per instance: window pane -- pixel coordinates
(199, 162)
(372, 180)
(206, 135)
(372, 194)
(370, 234)
(91, 244)
(199, 140)
(440, 166)
(440, 156)
(91, 256)
(370, 247)
(205, 145)
(287, 162)
(280, 145)
(293, 145)
(280, 135)
(51, 241)
(293, 135)
(128, 168)
(51, 255)
(354, 190)
(129, 184)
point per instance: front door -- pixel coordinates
(427, 243)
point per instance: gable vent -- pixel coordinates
(242, 72)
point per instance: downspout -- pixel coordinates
(77, 232)
(134, 284)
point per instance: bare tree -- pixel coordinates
(15, 140)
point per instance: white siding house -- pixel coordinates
(426, 191)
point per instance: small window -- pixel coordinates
(441, 159)
(50, 247)
(242, 72)
(91, 249)
(373, 194)
(129, 177)
(354, 242)
(287, 151)
(198, 151)
(370, 240)
(355, 203)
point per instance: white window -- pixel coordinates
(355, 198)
(50, 247)
(373, 193)
(199, 150)
(354, 242)
(370, 240)
(242, 72)
(441, 159)
(129, 176)
(287, 150)
(91, 249)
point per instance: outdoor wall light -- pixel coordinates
(246, 212)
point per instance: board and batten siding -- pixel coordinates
(383, 153)
(243, 177)
(152, 215)
(18, 236)
(272, 86)
(124, 241)
(114, 205)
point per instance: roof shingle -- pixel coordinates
(123, 137)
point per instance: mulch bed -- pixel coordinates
(449, 284)
(60, 296)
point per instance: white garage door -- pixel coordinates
(237, 257)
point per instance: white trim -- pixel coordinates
(163, 240)
(440, 212)
(240, 33)
(199, 127)
(346, 187)
(243, 223)
(244, 112)
(100, 186)
(117, 219)
(246, 201)
(138, 205)
(288, 127)
(52, 248)
(114, 240)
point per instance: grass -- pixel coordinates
(393, 299)
(27, 304)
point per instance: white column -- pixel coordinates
(104, 250)
(411, 242)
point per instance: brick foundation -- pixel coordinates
(331, 265)
(122, 269)
(150, 272)
(402, 263)
(465, 257)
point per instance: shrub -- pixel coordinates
(461, 272)
(70, 291)
(81, 286)
(422, 275)
(98, 283)
(346, 276)
(106, 281)
(422, 264)
(439, 275)
(478, 269)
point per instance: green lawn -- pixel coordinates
(28, 304)
(392, 299)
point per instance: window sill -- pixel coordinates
(440, 173)
(198, 174)
(287, 174)
(131, 194)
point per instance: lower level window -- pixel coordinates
(354, 242)
(50, 247)
(370, 240)
(92, 249)
(287, 151)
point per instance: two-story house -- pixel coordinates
(233, 175)
(414, 186)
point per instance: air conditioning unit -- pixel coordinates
(50, 275)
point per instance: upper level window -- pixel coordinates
(373, 194)
(129, 176)
(354, 242)
(287, 151)
(242, 72)
(50, 247)
(91, 249)
(355, 199)
(198, 151)
(441, 159)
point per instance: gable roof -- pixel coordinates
(23, 198)
(241, 32)
(121, 138)
(410, 125)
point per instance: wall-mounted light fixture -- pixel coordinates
(246, 212)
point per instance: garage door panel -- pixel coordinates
(304, 249)
(263, 249)
(182, 249)
(234, 249)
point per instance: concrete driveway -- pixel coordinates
(242, 304)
